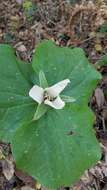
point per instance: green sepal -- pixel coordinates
(40, 111)
(42, 80)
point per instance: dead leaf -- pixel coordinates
(21, 48)
(27, 180)
(19, 1)
(98, 47)
(26, 188)
(1, 155)
(8, 168)
(105, 187)
(38, 186)
(104, 114)
(99, 95)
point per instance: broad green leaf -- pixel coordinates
(16, 106)
(51, 154)
(58, 147)
(62, 63)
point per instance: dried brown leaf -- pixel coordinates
(8, 168)
(99, 95)
(27, 188)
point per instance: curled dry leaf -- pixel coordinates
(1, 155)
(97, 172)
(104, 113)
(99, 95)
(8, 168)
(98, 47)
(104, 148)
(25, 178)
(19, 1)
(105, 187)
(21, 48)
(27, 188)
(38, 186)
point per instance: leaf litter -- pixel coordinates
(74, 25)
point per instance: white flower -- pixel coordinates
(51, 95)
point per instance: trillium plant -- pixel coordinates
(49, 96)
(44, 113)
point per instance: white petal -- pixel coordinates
(57, 103)
(56, 89)
(36, 93)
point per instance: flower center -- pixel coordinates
(47, 97)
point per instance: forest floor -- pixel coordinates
(72, 23)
